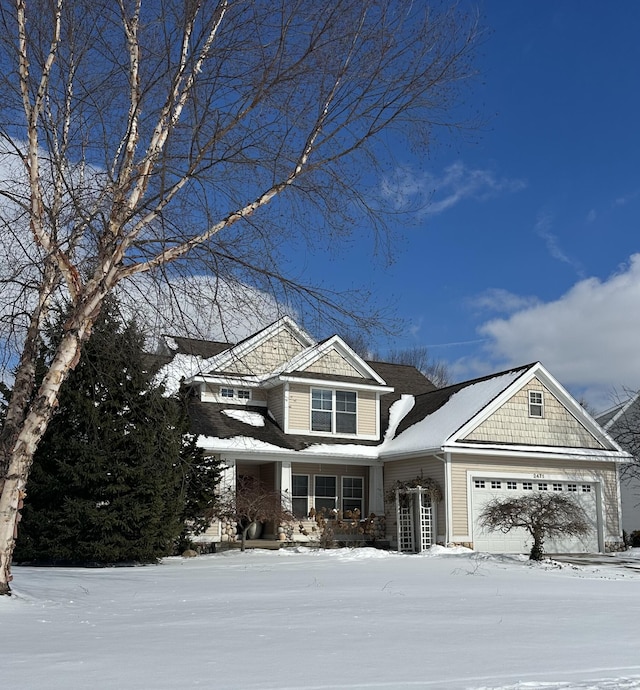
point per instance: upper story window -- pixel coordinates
(536, 404)
(333, 411)
(238, 393)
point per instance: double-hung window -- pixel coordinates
(333, 411)
(536, 404)
(352, 494)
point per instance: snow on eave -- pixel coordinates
(238, 443)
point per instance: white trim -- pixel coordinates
(353, 385)
(553, 452)
(285, 402)
(311, 355)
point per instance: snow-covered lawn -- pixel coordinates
(324, 620)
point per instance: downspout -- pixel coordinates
(448, 533)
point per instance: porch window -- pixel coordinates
(333, 411)
(352, 494)
(325, 494)
(536, 404)
(300, 495)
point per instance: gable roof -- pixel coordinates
(444, 417)
(241, 349)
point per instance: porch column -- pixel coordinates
(228, 478)
(376, 490)
(283, 483)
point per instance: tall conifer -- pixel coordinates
(116, 474)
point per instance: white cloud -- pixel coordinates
(198, 306)
(502, 301)
(542, 228)
(589, 338)
(406, 190)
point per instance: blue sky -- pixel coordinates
(526, 248)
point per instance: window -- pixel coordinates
(512, 485)
(542, 486)
(586, 488)
(300, 495)
(527, 486)
(333, 411)
(572, 487)
(536, 406)
(479, 483)
(352, 494)
(240, 393)
(326, 498)
(345, 412)
(557, 487)
(496, 485)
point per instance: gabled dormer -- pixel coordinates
(328, 390)
(310, 389)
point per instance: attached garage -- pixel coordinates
(585, 493)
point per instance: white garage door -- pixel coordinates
(518, 541)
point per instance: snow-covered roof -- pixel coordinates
(434, 430)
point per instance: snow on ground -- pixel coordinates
(325, 620)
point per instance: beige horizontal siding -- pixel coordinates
(299, 407)
(406, 470)
(512, 424)
(275, 404)
(367, 413)
(526, 467)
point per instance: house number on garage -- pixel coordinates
(537, 475)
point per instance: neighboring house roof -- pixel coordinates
(622, 422)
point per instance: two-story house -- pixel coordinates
(334, 433)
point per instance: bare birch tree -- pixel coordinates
(162, 137)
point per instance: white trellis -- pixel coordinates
(414, 519)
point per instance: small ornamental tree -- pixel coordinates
(543, 515)
(249, 503)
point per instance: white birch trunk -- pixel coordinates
(31, 431)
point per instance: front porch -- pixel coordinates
(330, 502)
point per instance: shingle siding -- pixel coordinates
(333, 363)
(512, 423)
(268, 356)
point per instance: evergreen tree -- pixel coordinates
(117, 473)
